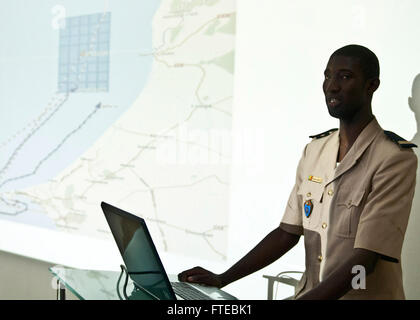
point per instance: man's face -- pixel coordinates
(345, 87)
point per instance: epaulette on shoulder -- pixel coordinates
(324, 134)
(398, 140)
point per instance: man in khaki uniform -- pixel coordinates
(351, 200)
(362, 203)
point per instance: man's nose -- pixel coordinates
(332, 86)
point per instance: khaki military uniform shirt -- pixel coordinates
(364, 203)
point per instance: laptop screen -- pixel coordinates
(138, 252)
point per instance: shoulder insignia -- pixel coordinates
(398, 140)
(324, 134)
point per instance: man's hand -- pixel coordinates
(272, 247)
(201, 276)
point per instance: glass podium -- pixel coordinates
(95, 285)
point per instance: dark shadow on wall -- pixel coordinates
(411, 249)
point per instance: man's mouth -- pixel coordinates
(333, 102)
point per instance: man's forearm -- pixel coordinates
(339, 282)
(272, 247)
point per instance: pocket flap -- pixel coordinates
(311, 190)
(350, 198)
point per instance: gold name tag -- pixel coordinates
(315, 179)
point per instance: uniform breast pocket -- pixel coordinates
(311, 196)
(346, 214)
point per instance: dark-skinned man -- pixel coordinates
(351, 200)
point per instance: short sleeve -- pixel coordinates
(292, 217)
(384, 219)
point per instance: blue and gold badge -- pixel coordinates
(308, 206)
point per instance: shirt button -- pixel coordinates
(309, 194)
(330, 192)
(324, 225)
(320, 258)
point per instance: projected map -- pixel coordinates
(128, 104)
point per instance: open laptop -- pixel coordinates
(143, 263)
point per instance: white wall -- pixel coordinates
(25, 278)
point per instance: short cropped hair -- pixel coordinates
(368, 60)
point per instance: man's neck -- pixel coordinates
(349, 131)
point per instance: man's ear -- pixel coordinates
(373, 85)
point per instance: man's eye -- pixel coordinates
(327, 77)
(345, 76)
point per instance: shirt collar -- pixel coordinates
(364, 139)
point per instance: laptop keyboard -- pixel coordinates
(188, 292)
